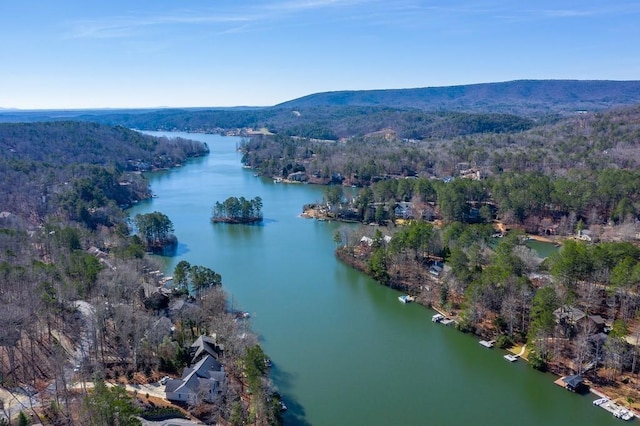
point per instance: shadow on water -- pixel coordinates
(295, 414)
(262, 224)
(173, 250)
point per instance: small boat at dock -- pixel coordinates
(511, 358)
(623, 414)
(618, 411)
(487, 343)
(598, 402)
(437, 318)
(405, 298)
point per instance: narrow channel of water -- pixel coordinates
(345, 350)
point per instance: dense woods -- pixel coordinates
(84, 171)
(81, 303)
(583, 143)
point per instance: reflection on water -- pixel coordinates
(543, 248)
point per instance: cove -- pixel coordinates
(345, 351)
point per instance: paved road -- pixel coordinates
(15, 401)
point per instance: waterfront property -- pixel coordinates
(573, 383)
(204, 345)
(437, 318)
(615, 409)
(203, 381)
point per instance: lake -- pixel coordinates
(345, 351)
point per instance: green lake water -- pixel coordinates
(345, 351)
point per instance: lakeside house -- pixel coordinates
(205, 345)
(404, 210)
(574, 383)
(369, 241)
(598, 323)
(569, 315)
(436, 268)
(297, 177)
(204, 380)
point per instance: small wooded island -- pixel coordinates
(237, 210)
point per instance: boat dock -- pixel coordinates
(487, 343)
(405, 298)
(617, 410)
(439, 318)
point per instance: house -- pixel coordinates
(369, 241)
(574, 383)
(404, 210)
(597, 322)
(366, 240)
(568, 315)
(203, 381)
(205, 345)
(436, 269)
(297, 177)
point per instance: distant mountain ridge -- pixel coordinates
(520, 97)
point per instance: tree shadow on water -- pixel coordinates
(295, 414)
(173, 250)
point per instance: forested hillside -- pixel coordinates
(522, 97)
(78, 169)
(424, 113)
(317, 122)
(579, 144)
(80, 301)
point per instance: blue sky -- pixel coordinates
(180, 53)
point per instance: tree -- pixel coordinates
(333, 195)
(154, 229)
(378, 265)
(108, 406)
(203, 277)
(544, 302)
(572, 263)
(337, 238)
(380, 215)
(200, 277)
(22, 419)
(181, 274)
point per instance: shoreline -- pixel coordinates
(519, 350)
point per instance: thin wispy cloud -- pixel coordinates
(605, 10)
(293, 6)
(129, 26)
(120, 27)
(239, 17)
(568, 13)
